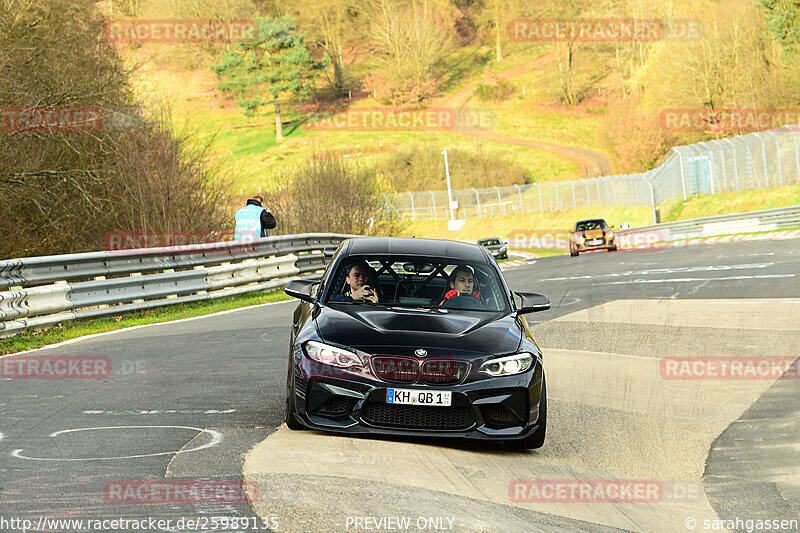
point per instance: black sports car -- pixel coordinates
(415, 336)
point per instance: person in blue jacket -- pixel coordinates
(253, 221)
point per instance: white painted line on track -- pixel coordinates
(676, 270)
(216, 438)
(686, 280)
(103, 334)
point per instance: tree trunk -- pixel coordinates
(497, 30)
(278, 122)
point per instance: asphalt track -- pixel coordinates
(212, 389)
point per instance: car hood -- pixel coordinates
(591, 233)
(379, 330)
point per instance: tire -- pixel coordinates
(536, 439)
(573, 253)
(289, 415)
(612, 248)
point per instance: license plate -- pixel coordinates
(595, 242)
(419, 397)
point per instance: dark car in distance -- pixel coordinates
(495, 246)
(591, 234)
(424, 359)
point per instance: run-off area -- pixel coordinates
(620, 421)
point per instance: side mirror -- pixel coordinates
(301, 289)
(532, 302)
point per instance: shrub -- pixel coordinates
(489, 92)
(327, 194)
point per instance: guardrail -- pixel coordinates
(38, 292)
(752, 222)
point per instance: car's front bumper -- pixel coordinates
(599, 243)
(501, 408)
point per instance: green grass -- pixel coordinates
(507, 226)
(729, 203)
(32, 340)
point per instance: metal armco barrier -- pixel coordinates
(43, 291)
(752, 222)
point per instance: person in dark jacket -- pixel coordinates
(253, 220)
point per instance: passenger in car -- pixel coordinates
(462, 283)
(357, 281)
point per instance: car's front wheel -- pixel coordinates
(536, 439)
(573, 253)
(289, 412)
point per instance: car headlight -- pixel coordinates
(610, 235)
(579, 239)
(509, 365)
(331, 355)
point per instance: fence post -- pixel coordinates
(599, 195)
(614, 191)
(588, 195)
(797, 156)
(735, 164)
(574, 203)
(778, 156)
(683, 172)
(557, 205)
(519, 193)
(764, 158)
(722, 163)
(478, 201)
(433, 199)
(413, 209)
(538, 188)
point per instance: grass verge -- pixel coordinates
(32, 340)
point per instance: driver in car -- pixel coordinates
(357, 279)
(462, 283)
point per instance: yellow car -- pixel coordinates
(593, 234)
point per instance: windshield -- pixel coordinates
(590, 225)
(490, 242)
(414, 282)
